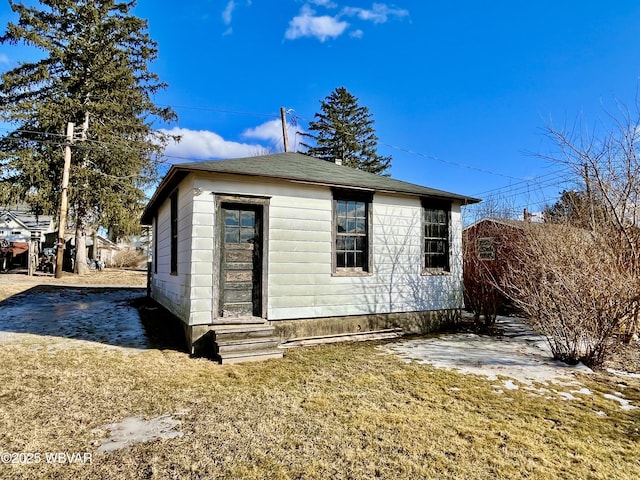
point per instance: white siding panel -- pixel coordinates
(201, 256)
(201, 231)
(298, 290)
(286, 246)
(202, 243)
(172, 290)
(305, 211)
(203, 219)
(200, 281)
(290, 273)
(201, 267)
(200, 293)
(300, 281)
(300, 235)
(299, 257)
(201, 305)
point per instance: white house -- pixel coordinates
(267, 249)
(20, 232)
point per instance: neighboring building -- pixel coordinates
(289, 246)
(104, 250)
(17, 224)
(18, 227)
(488, 250)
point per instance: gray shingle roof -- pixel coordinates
(300, 168)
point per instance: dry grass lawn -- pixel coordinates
(12, 283)
(336, 411)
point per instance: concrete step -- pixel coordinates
(250, 356)
(244, 320)
(385, 334)
(241, 332)
(264, 343)
(245, 343)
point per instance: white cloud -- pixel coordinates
(204, 144)
(4, 59)
(379, 13)
(324, 3)
(227, 13)
(357, 34)
(271, 132)
(307, 24)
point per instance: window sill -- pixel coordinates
(435, 272)
(350, 272)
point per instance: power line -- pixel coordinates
(448, 162)
(232, 112)
(525, 182)
(32, 132)
(430, 157)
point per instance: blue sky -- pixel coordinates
(460, 91)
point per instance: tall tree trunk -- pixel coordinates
(81, 246)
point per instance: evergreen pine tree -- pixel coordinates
(344, 130)
(94, 73)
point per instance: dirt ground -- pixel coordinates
(14, 283)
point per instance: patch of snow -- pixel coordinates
(624, 403)
(519, 354)
(565, 395)
(583, 391)
(509, 385)
(134, 430)
(67, 317)
(620, 373)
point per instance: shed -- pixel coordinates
(286, 246)
(488, 246)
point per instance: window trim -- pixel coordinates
(173, 219)
(486, 248)
(359, 196)
(431, 204)
(155, 244)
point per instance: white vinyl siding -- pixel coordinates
(300, 283)
(172, 291)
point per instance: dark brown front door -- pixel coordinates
(241, 260)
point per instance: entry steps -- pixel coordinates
(254, 342)
(245, 343)
(385, 334)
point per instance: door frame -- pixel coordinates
(262, 204)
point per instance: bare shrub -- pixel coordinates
(606, 165)
(129, 258)
(572, 288)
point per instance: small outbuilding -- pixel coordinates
(252, 252)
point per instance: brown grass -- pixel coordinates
(340, 411)
(13, 283)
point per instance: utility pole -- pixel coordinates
(283, 117)
(62, 224)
